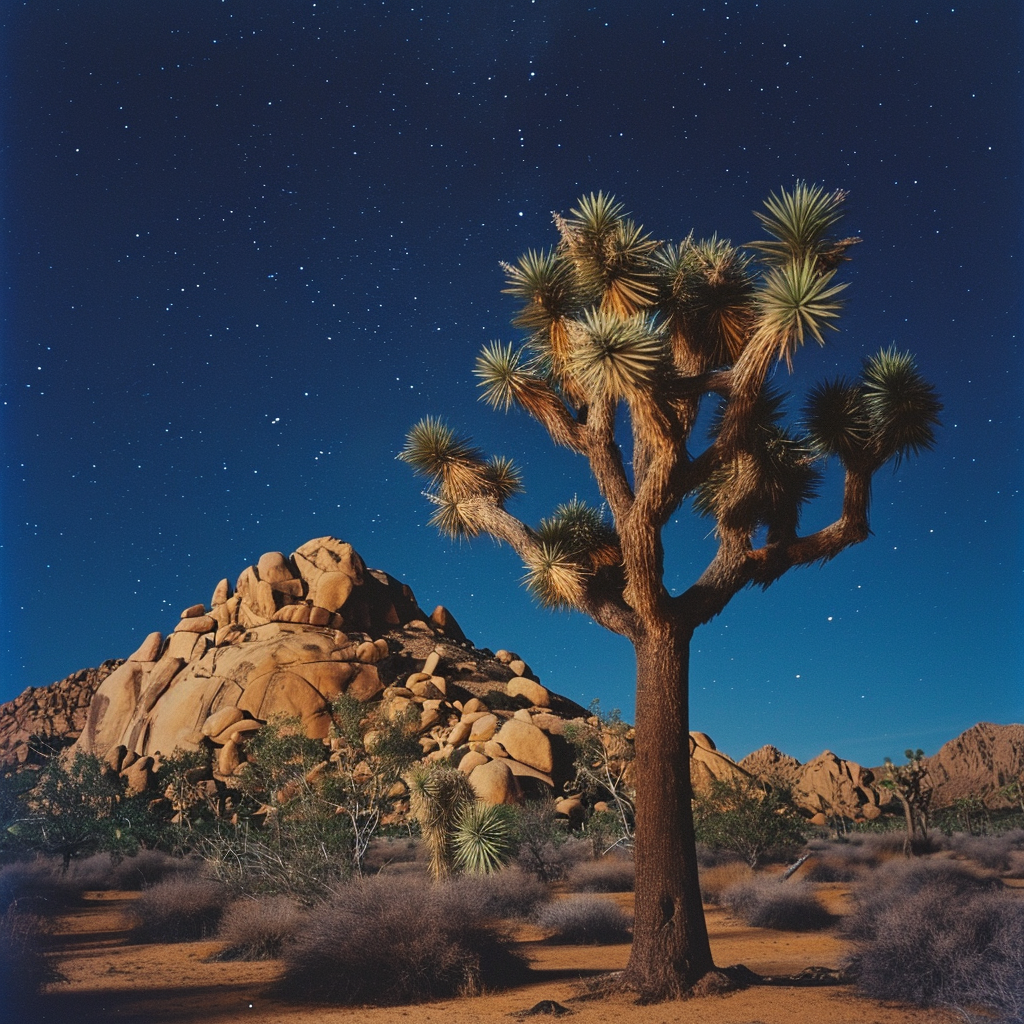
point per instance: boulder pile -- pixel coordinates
(293, 634)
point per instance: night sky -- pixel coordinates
(248, 244)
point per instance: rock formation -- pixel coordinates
(979, 763)
(291, 636)
(708, 764)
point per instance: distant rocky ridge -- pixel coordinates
(46, 719)
(980, 762)
(296, 631)
(825, 786)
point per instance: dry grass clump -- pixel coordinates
(725, 875)
(258, 929)
(767, 902)
(609, 874)
(934, 934)
(508, 893)
(584, 921)
(390, 941)
(147, 867)
(182, 908)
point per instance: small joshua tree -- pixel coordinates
(912, 786)
(626, 340)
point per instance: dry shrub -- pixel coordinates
(258, 929)
(181, 908)
(24, 969)
(584, 921)
(994, 853)
(828, 868)
(711, 857)
(552, 860)
(386, 853)
(609, 874)
(767, 902)
(715, 880)
(875, 848)
(37, 886)
(147, 867)
(934, 934)
(509, 893)
(390, 941)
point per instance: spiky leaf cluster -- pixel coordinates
(902, 407)
(459, 473)
(835, 419)
(609, 255)
(704, 293)
(767, 480)
(798, 222)
(544, 282)
(572, 545)
(438, 797)
(482, 838)
(613, 356)
(795, 300)
(890, 412)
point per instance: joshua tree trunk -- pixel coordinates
(670, 941)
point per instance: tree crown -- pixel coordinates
(619, 326)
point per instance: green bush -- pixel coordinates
(747, 818)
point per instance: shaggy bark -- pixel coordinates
(670, 950)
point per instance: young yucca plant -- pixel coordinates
(482, 839)
(439, 796)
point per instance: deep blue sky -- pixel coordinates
(248, 244)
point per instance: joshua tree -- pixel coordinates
(620, 325)
(912, 786)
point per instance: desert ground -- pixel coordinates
(111, 978)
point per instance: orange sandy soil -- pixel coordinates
(110, 979)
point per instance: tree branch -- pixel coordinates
(541, 401)
(606, 459)
(736, 565)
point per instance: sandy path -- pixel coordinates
(111, 980)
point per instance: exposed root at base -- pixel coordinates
(807, 978)
(718, 982)
(715, 983)
(546, 1006)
